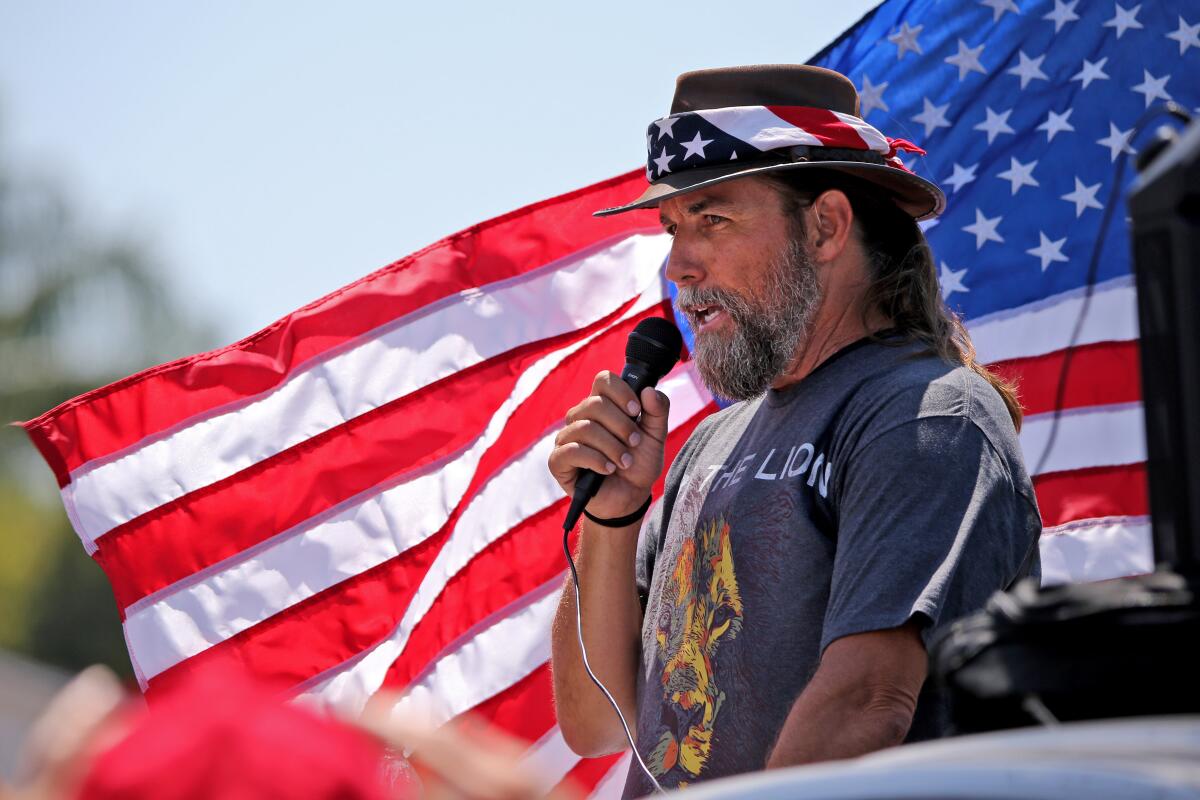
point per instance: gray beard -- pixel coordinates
(766, 334)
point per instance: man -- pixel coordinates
(867, 489)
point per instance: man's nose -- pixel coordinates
(684, 264)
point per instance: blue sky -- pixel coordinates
(269, 153)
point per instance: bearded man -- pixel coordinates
(866, 489)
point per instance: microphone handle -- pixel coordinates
(639, 377)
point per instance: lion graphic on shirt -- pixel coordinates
(701, 608)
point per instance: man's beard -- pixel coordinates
(767, 333)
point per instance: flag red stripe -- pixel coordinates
(1092, 493)
(525, 709)
(511, 566)
(116, 416)
(588, 773)
(204, 527)
(516, 563)
(1100, 374)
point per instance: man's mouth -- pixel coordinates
(704, 316)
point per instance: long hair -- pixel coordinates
(904, 283)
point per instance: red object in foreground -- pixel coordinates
(218, 735)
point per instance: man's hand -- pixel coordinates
(602, 435)
(861, 698)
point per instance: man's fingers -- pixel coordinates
(568, 458)
(603, 411)
(595, 436)
(609, 384)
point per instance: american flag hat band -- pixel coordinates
(691, 149)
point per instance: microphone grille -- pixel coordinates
(655, 342)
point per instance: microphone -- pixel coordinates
(651, 352)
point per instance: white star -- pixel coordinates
(870, 96)
(1084, 197)
(1116, 141)
(1029, 69)
(1124, 19)
(905, 39)
(951, 280)
(665, 125)
(1056, 123)
(967, 60)
(961, 177)
(1091, 72)
(1062, 14)
(1187, 36)
(1153, 87)
(1000, 6)
(1048, 251)
(984, 229)
(995, 124)
(662, 161)
(932, 117)
(1019, 174)
(696, 147)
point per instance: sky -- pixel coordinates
(269, 153)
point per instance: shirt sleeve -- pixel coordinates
(929, 525)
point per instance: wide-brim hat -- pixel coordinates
(737, 121)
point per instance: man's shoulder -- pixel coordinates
(918, 384)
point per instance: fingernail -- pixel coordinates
(633, 407)
(626, 460)
(634, 438)
(609, 466)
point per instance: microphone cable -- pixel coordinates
(658, 789)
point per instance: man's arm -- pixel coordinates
(861, 699)
(612, 622)
(600, 435)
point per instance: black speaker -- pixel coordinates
(1165, 210)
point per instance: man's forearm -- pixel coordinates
(861, 699)
(612, 632)
(825, 727)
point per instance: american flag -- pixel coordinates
(356, 497)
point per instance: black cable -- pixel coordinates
(583, 652)
(1171, 109)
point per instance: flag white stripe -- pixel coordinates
(484, 665)
(402, 358)
(1047, 325)
(757, 126)
(1096, 549)
(203, 610)
(1096, 436)
(549, 760)
(612, 785)
(350, 687)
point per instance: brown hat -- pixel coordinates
(736, 121)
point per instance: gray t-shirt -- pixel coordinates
(886, 485)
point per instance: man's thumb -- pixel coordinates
(655, 407)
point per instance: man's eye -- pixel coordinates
(713, 219)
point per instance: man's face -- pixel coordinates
(746, 282)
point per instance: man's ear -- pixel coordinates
(829, 225)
